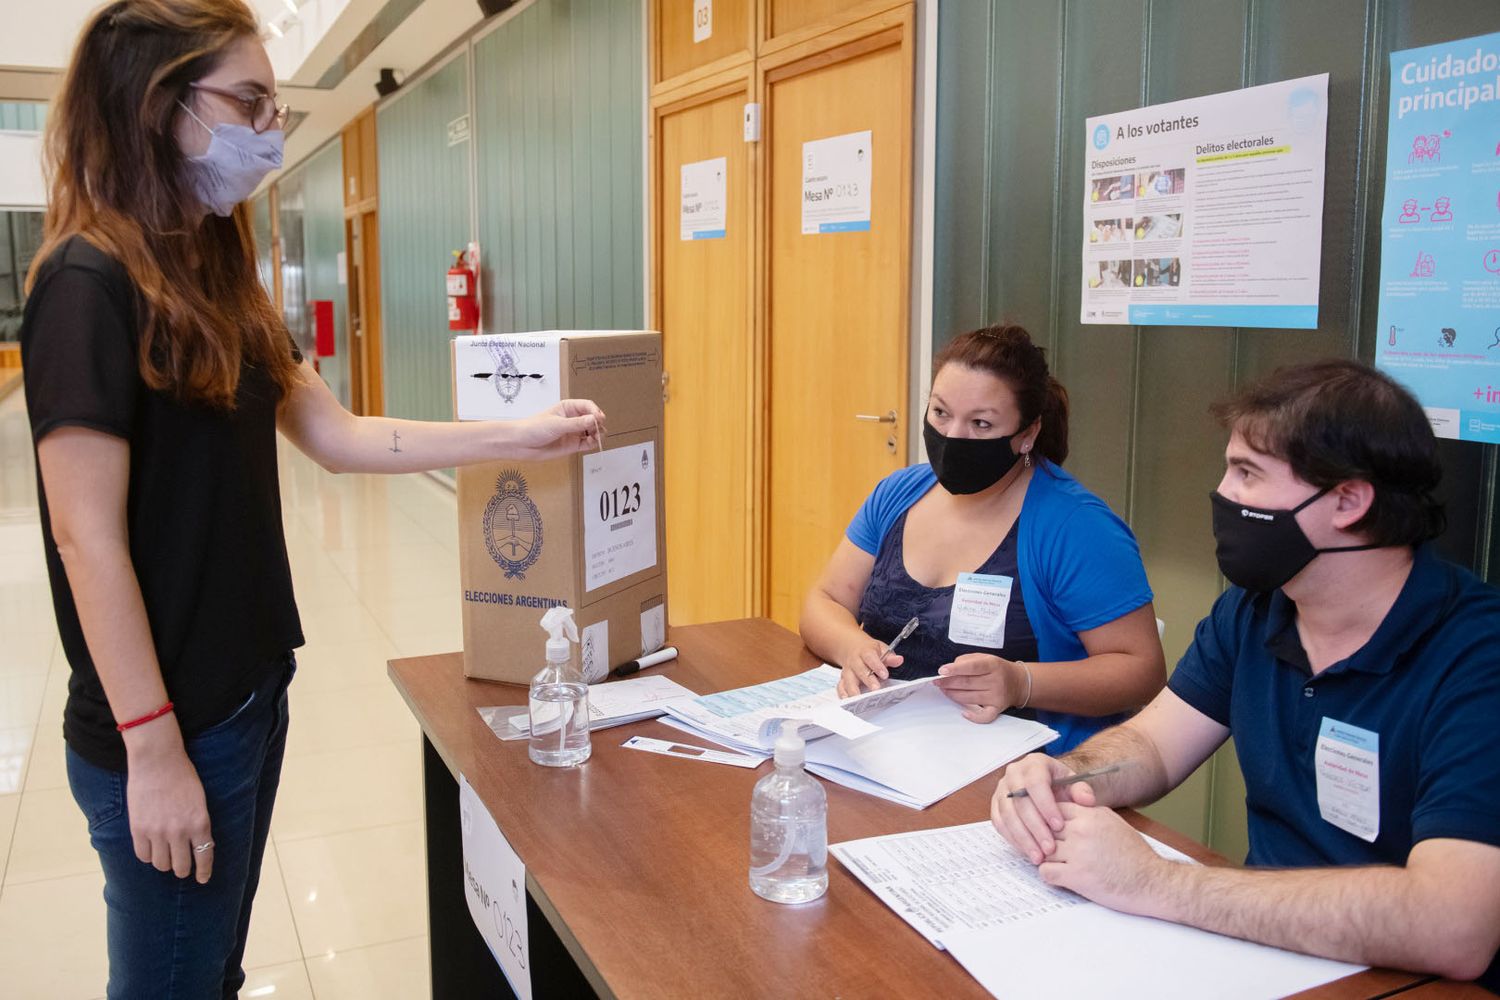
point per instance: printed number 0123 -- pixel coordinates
(619, 502)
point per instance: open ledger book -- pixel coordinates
(970, 893)
(906, 742)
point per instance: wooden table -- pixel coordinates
(636, 864)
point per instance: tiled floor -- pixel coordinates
(341, 910)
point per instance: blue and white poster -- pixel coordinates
(1439, 319)
(1207, 211)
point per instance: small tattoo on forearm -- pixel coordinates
(395, 442)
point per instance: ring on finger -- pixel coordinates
(207, 845)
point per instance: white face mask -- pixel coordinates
(236, 161)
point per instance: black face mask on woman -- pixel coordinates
(1261, 548)
(968, 465)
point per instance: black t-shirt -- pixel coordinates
(203, 509)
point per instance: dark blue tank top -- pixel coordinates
(892, 597)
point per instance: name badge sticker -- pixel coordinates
(1347, 764)
(980, 603)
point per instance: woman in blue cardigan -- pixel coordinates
(1029, 590)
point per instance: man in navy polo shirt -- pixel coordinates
(1359, 674)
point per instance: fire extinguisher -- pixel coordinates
(463, 302)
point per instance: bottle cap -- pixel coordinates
(560, 630)
(790, 746)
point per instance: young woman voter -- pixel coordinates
(157, 373)
(1029, 592)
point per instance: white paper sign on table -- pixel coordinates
(704, 199)
(495, 889)
(836, 177)
(619, 512)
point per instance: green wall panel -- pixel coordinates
(1016, 80)
(260, 221)
(424, 217)
(558, 98)
(22, 116)
(291, 202)
(556, 124)
(323, 240)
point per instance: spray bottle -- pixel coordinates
(559, 699)
(789, 827)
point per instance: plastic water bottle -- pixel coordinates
(559, 700)
(789, 828)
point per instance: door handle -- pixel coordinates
(889, 417)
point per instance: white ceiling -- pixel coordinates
(38, 37)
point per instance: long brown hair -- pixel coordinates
(1008, 353)
(117, 179)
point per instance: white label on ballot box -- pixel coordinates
(495, 889)
(619, 512)
(653, 629)
(506, 377)
(1347, 763)
(980, 602)
(593, 654)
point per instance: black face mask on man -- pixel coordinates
(1261, 548)
(968, 465)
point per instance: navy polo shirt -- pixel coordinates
(1427, 682)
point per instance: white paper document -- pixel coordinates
(966, 890)
(688, 751)
(926, 750)
(751, 717)
(905, 742)
(611, 704)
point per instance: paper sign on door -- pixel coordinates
(980, 603)
(836, 176)
(495, 889)
(704, 186)
(1347, 763)
(703, 20)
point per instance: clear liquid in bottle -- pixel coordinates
(559, 723)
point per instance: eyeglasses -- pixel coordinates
(263, 110)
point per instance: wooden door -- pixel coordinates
(355, 305)
(702, 305)
(836, 309)
(362, 262)
(372, 386)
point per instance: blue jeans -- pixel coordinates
(171, 937)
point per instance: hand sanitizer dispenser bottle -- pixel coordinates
(559, 699)
(789, 827)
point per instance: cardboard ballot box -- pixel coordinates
(584, 531)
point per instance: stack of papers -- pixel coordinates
(906, 742)
(611, 704)
(969, 892)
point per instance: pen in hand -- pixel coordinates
(1071, 779)
(906, 630)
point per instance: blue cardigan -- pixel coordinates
(1079, 564)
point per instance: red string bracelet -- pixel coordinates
(145, 718)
